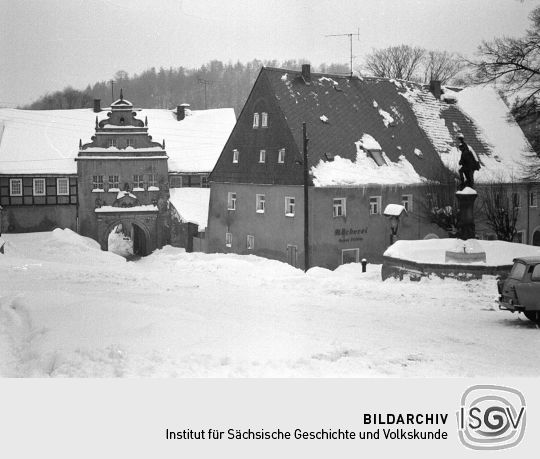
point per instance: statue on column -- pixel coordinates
(468, 162)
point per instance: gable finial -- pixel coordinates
(80, 144)
(163, 147)
(121, 94)
(146, 121)
(97, 124)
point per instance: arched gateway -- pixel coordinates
(122, 176)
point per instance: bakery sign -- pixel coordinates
(350, 234)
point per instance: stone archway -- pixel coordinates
(141, 227)
(536, 236)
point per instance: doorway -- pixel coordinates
(292, 257)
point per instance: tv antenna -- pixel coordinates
(206, 83)
(350, 35)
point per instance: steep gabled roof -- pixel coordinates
(415, 130)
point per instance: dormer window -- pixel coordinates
(281, 156)
(235, 156)
(264, 119)
(255, 120)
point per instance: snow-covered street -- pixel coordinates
(68, 309)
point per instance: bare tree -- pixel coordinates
(442, 66)
(500, 204)
(514, 62)
(400, 62)
(439, 205)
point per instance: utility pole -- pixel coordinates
(112, 90)
(205, 83)
(306, 198)
(350, 35)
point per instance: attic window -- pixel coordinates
(235, 156)
(377, 156)
(255, 120)
(264, 119)
(281, 156)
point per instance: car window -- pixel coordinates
(518, 270)
(535, 276)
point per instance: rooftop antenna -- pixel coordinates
(206, 83)
(350, 35)
(112, 90)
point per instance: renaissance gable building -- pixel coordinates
(92, 170)
(372, 142)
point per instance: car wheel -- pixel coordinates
(533, 315)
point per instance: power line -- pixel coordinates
(350, 35)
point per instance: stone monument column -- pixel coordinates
(466, 198)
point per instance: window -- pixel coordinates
(264, 119)
(281, 156)
(15, 187)
(114, 182)
(535, 276)
(340, 207)
(250, 242)
(235, 156)
(39, 186)
(175, 181)
(112, 142)
(152, 180)
(62, 187)
(231, 201)
(516, 199)
(228, 239)
(289, 206)
(350, 256)
(407, 202)
(375, 205)
(204, 181)
(518, 270)
(255, 120)
(519, 237)
(262, 156)
(129, 142)
(97, 182)
(259, 201)
(138, 182)
(532, 199)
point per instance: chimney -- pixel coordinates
(435, 88)
(97, 105)
(306, 72)
(181, 111)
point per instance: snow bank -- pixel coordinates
(433, 251)
(176, 314)
(59, 245)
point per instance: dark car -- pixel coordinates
(520, 291)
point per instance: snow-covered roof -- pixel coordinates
(47, 141)
(416, 131)
(191, 204)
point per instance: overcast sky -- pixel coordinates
(46, 45)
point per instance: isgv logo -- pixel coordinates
(491, 417)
